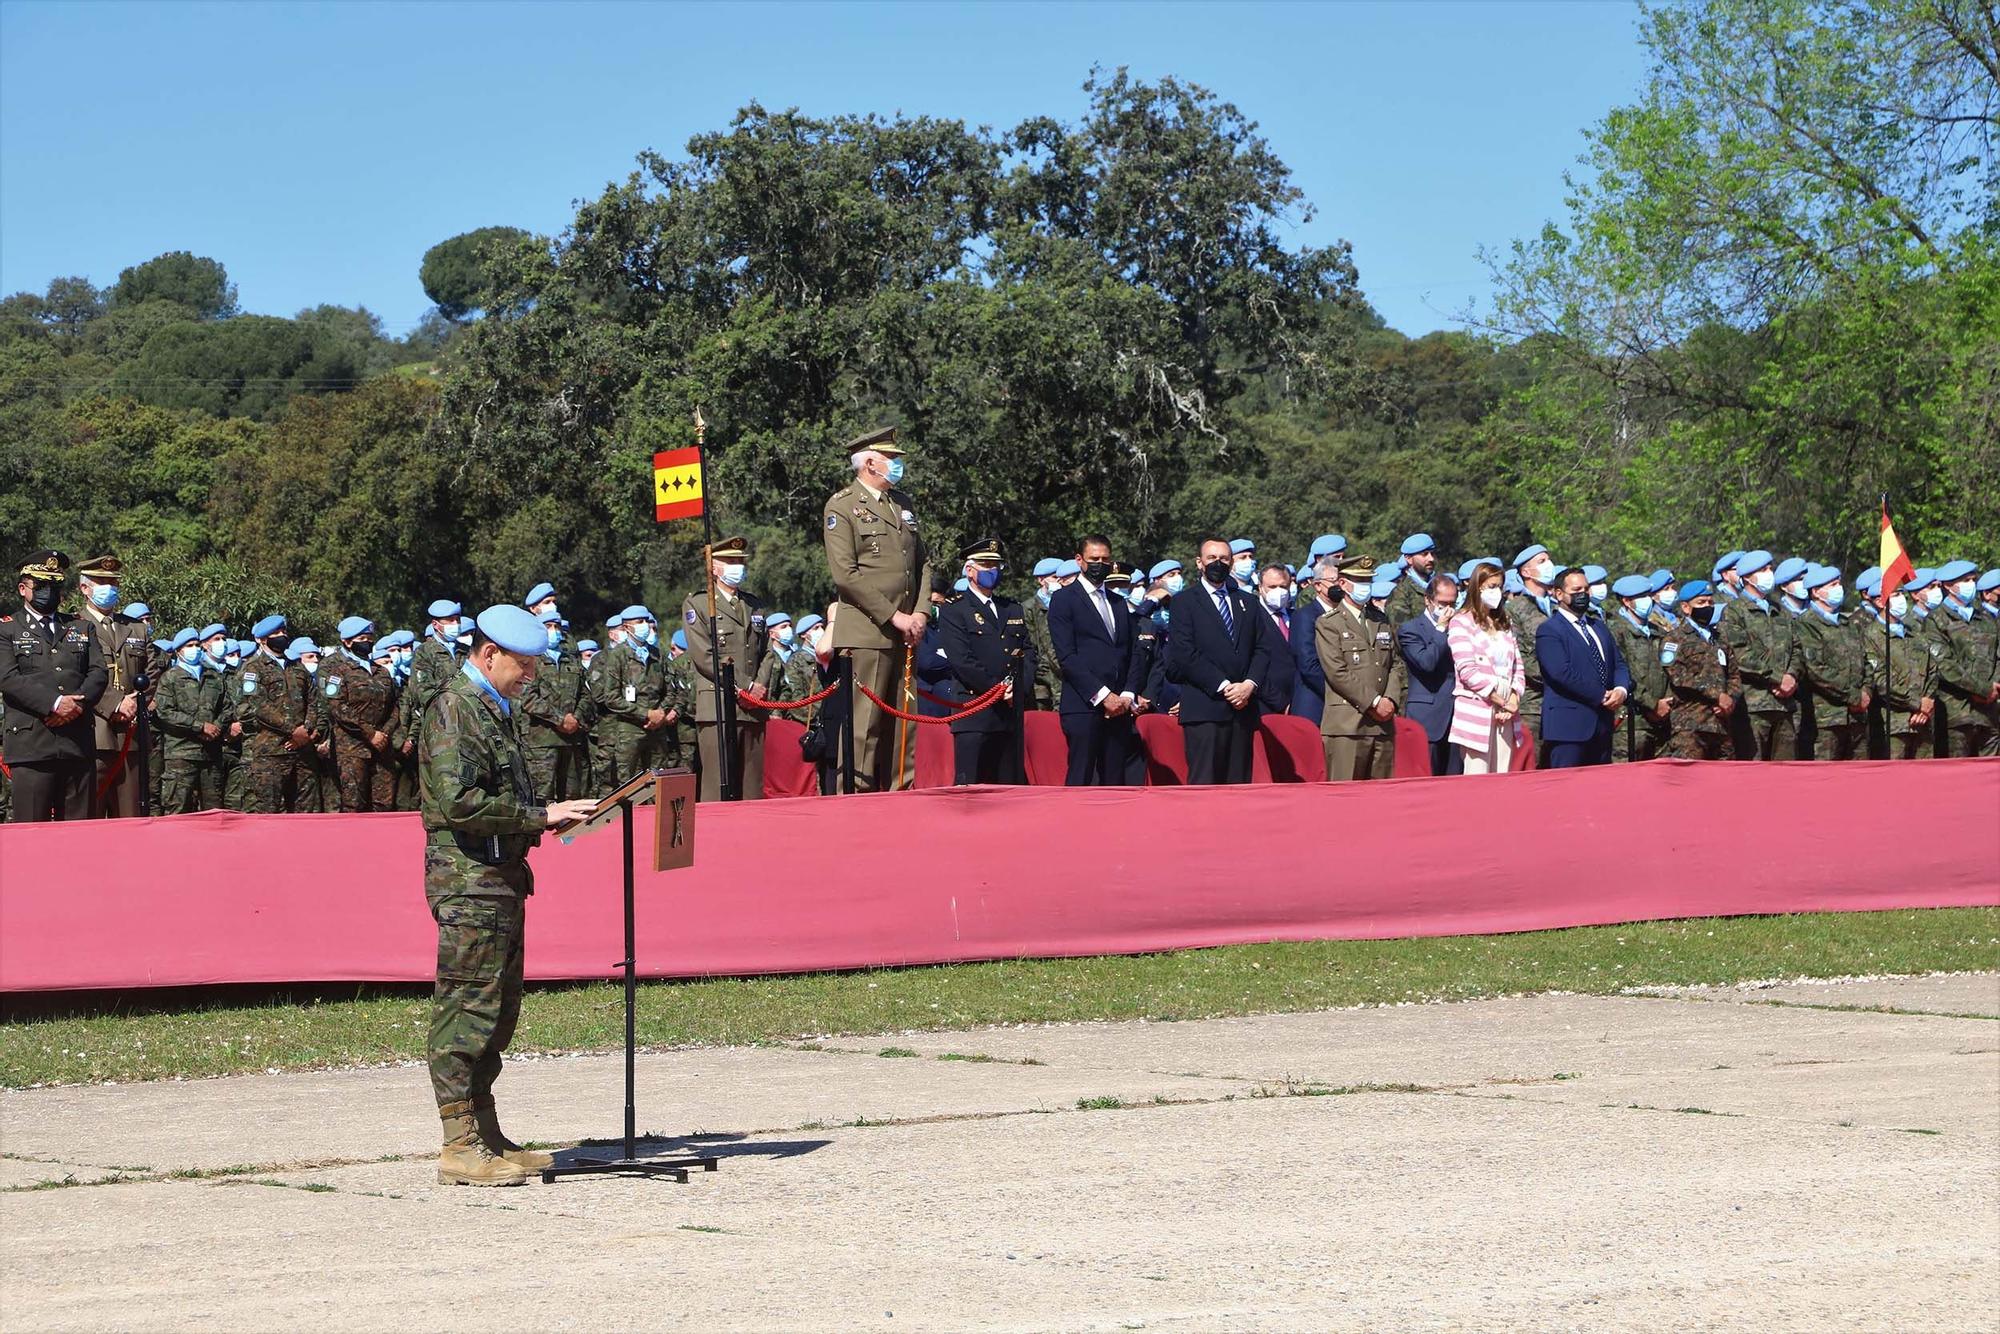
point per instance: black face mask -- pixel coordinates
(1097, 571)
(1334, 593)
(1216, 571)
(1579, 602)
(361, 648)
(277, 643)
(44, 596)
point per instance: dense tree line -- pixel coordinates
(1767, 304)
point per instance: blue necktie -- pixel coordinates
(1228, 621)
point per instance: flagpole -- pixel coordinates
(723, 783)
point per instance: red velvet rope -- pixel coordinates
(118, 765)
(984, 702)
(807, 702)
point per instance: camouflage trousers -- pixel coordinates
(282, 782)
(1775, 736)
(558, 772)
(476, 1001)
(1649, 740)
(1978, 739)
(367, 781)
(631, 752)
(1693, 745)
(190, 785)
(235, 779)
(1842, 741)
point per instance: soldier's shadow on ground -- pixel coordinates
(718, 1144)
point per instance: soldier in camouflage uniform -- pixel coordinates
(1705, 683)
(1968, 680)
(189, 709)
(279, 708)
(1525, 613)
(552, 713)
(362, 702)
(1651, 701)
(1413, 584)
(481, 815)
(1048, 671)
(1765, 651)
(435, 662)
(1836, 670)
(1904, 672)
(236, 769)
(634, 695)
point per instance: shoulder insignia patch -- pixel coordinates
(833, 521)
(689, 615)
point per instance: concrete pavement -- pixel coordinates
(1717, 1156)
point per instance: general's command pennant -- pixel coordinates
(677, 484)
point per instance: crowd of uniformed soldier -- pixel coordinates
(1766, 658)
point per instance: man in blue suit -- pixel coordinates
(1092, 634)
(1427, 654)
(1309, 679)
(1584, 678)
(1274, 601)
(1219, 650)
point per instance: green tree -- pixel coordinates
(248, 366)
(200, 284)
(458, 273)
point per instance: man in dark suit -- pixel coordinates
(1274, 603)
(1309, 680)
(1219, 651)
(1583, 677)
(1092, 634)
(985, 639)
(1427, 654)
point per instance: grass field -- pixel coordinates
(184, 1038)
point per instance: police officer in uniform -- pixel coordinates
(51, 679)
(481, 815)
(741, 642)
(985, 639)
(880, 573)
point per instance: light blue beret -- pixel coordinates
(1661, 578)
(137, 611)
(1527, 554)
(1418, 543)
(1952, 571)
(298, 648)
(1511, 582)
(212, 630)
(1790, 568)
(1988, 581)
(586, 646)
(1726, 562)
(537, 593)
(1162, 569)
(635, 612)
(1752, 561)
(352, 626)
(776, 618)
(1068, 569)
(1381, 588)
(181, 640)
(1819, 576)
(808, 621)
(1046, 566)
(270, 625)
(1632, 586)
(1695, 588)
(443, 608)
(1595, 573)
(513, 628)
(679, 639)
(1240, 545)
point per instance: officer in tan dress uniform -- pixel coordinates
(1366, 681)
(741, 640)
(122, 645)
(881, 575)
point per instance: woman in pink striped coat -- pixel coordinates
(1486, 697)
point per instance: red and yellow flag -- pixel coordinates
(677, 484)
(1896, 567)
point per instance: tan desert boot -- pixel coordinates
(531, 1160)
(465, 1160)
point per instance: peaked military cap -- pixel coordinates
(982, 548)
(882, 440)
(105, 568)
(730, 548)
(47, 566)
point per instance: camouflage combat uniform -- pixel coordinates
(193, 762)
(1699, 670)
(1903, 682)
(1048, 671)
(277, 697)
(1650, 685)
(481, 816)
(1526, 616)
(555, 757)
(1966, 671)
(625, 689)
(1762, 644)
(1836, 677)
(362, 702)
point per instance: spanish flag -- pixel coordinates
(1896, 567)
(677, 484)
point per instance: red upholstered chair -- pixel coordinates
(1047, 748)
(1166, 752)
(1288, 750)
(786, 772)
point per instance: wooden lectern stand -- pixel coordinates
(672, 795)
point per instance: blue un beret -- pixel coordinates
(513, 628)
(1046, 566)
(1632, 586)
(1162, 569)
(1695, 588)
(1988, 581)
(353, 625)
(444, 607)
(137, 611)
(1417, 543)
(1240, 545)
(1325, 545)
(1511, 582)
(537, 593)
(1819, 576)
(270, 625)
(776, 618)
(298, 648)
(1952, 571)
(1661, 578)
(1727, 561)
(808, 621)
(182, 640)
(1790, 568)
(586, 646)
(1068, 569)
(635, 612)
(212, 630)
(1752, 561)
(679, 639)
(1595, 573)
(1527, 554)
(1924, 579)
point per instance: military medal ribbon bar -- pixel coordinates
(677, 484)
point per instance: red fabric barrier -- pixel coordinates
(1009, 872)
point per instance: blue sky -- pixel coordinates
(318, 150)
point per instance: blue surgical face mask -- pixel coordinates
(893, 474)
(786, 634)
(1642, 607)
(104, 596)
(1834, 596)
(191, 653)
(732, 574)
(1043, 595)
(985, 576)
(555, 635)
(1175, 583)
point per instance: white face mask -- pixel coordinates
(1763, 581)
(1899, 605)
(812, 639)
(1544, 573)
(1796, 590)
(1933, 595)
(1175, 583)
(191, 653)
(1668, 597)
(1597, 592)
(1276, 598)
(447, 629)
(1490, 596)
